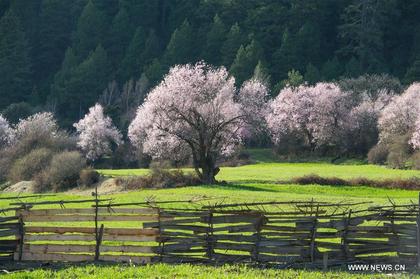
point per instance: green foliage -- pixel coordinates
(214, 41)
(30, 165)
(44, 42)
(15, 65)
(90, 30)
(16, 111)
(234, 40)
(294, 79)
(245, 62)
(181, 47)
(63, 171)
(312, 74)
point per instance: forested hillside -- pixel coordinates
(65, 55)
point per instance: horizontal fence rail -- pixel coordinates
(284, 234)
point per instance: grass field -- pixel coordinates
(188, 271)
(249, 183)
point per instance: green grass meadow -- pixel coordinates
(256, 182)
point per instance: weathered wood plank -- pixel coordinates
(125, 259)
(88, 211)
(54, 248)
(87, 218)
(53, 257)
(59, 237)
(234, 246)
(112, 231)
(8, 232)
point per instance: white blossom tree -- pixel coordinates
(415, 139)
(6, 132)
(318, 114)
(400, 115)
(193, 111)
(37, 126)
(97, 133)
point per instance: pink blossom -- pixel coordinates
(193, 112)
(97, 133)
(6, 132)
(37, 125)
(400, 115)
(415, 139)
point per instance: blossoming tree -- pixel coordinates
(6, 132)
(400, 115)
(97, 133)
(415, 139)
(194, 111)
(317, 114)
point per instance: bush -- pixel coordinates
(316, 179)
(399, 152)
(415, 160)
(159, 178)
(378, 154)
(407, 184)
(89, 177)
(62, 173)
(27, 167)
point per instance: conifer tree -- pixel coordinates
(15, 65)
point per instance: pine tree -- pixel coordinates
(413, 73)
(152, 47)
(214, 41)
(119, 36)
(84, 84)
(331, 69)
(246, 59)
(261, 73)
(285, 58)
(90, 30)
(15, 65)
(133, 62)
(234, 40)
(353, 68)
(54, 37)
(312, 74)
(180, 49)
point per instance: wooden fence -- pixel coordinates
(273, 233)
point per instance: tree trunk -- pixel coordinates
(209, 171)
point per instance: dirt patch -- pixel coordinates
(21, 187)
(107, 186)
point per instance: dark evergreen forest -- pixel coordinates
(65, 55)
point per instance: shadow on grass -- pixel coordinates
(235, 186)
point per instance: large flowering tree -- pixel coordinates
(415, 138)
(6, 132)
(97, 133)
(400, 115)
(195, 111)
(317, 114)
(37, 127)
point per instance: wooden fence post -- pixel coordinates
(209, 237)
(21, 234)
(325, 261)
(161, 241)
(344, 244)
(313, 235)
(261, 221)
(98, 230)
(418, 234)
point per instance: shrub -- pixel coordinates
(316, 179)
(399, 152)
(159, 178)
(415, 160)
(89, 177)
(407, 184)
(378, 154)
(63, 171)
(27, 167)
